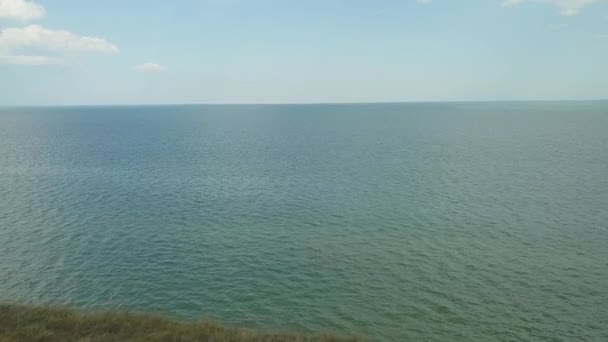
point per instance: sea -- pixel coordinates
(472, 221)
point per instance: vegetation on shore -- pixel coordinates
(23, 323)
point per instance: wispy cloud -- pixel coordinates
(38, 37)
(28, 60)
(424, 2)
(565, 7)
(21, 10)
(149, 67)
(16, 45)
(36, 45)
(507, 3)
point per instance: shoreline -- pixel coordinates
(58, 323)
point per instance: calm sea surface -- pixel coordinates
(392, 221)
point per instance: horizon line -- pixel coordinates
(294, 103)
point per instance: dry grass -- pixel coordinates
(21, 323)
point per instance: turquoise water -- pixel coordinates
(444, 222)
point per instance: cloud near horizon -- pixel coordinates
(565, 7)
(28, 60)
(149, 67)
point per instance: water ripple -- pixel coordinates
(393, 222)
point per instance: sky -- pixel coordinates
(112, 52)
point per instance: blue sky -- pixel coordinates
(65, 52)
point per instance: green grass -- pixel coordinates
(23, 323)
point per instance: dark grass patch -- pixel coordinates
(24, 323)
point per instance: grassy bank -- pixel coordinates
(21, 323)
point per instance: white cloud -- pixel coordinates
(424, 2)
(511, 2)
(21, 10)
(565, 7)
(24, 45)
(36, 45)
(571, 7)
(38, 37)
(149, 67)
(28, 60)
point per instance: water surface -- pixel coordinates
(391, 221)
